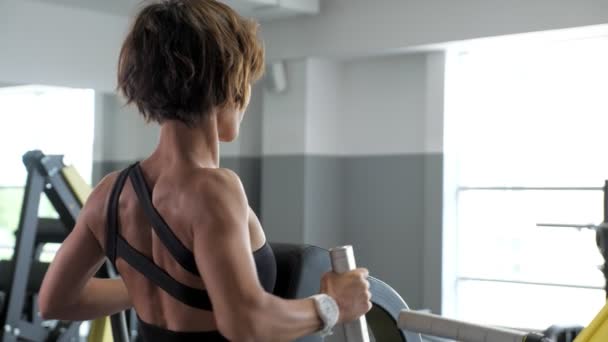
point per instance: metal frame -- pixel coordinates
(44, 175)
(601, 237)
(601, 230)
(523, 282)
(524, 188)
(384, 316)
(13, 326)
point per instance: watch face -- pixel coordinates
(330, 309)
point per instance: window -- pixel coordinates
(52, 119)
(525, 134)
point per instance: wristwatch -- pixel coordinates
(328, 310)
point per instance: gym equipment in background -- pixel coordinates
(597, 331)
(598, 328)
(601, 231)
(21, 277)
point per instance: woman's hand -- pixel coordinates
(350, 290)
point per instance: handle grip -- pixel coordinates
(343, 260)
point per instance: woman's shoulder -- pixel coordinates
(206, 181)
(217, 195)
(216, 184)
(96, 200)
(93, 212)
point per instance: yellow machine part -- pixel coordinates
(101, 329)
(597, 330)
(77, 184)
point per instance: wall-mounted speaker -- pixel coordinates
(276, 77)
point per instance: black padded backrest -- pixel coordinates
(299, 271)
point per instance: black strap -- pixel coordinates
(196, 298)
(182, 255)
(112, 221)
(117, 246)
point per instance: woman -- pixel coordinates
(192, 255)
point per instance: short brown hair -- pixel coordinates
(182, 58)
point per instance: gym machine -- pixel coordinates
(299, 268)
(21, 277)
(390, 320)
(596, 331)
(601, 232)
(598, 328)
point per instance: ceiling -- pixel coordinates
(260, 9)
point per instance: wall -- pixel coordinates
(121, 135)
(324, 189)
(243, 155)
(433, 274)
(348, 28)
(44, 43)
(384, 141)
(301, 176)
(352, 155)
(53, 44)
(283, 144)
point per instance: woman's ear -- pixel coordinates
(246, 97)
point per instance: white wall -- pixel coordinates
(432, 253)
(249, 141)
(284, 118)
(435, 93)
(48, 44)
(250, 137)
(347, 28)
(121, 134)
(382, 106)
(366, 106)
(59, 45)
(323, 104)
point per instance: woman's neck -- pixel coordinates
(197, 145)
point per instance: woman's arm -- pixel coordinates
(69, 291)
(243, 310)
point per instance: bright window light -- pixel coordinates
(533, 119)
(52, 119)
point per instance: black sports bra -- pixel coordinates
(117, 246)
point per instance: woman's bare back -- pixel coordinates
(171, 189)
